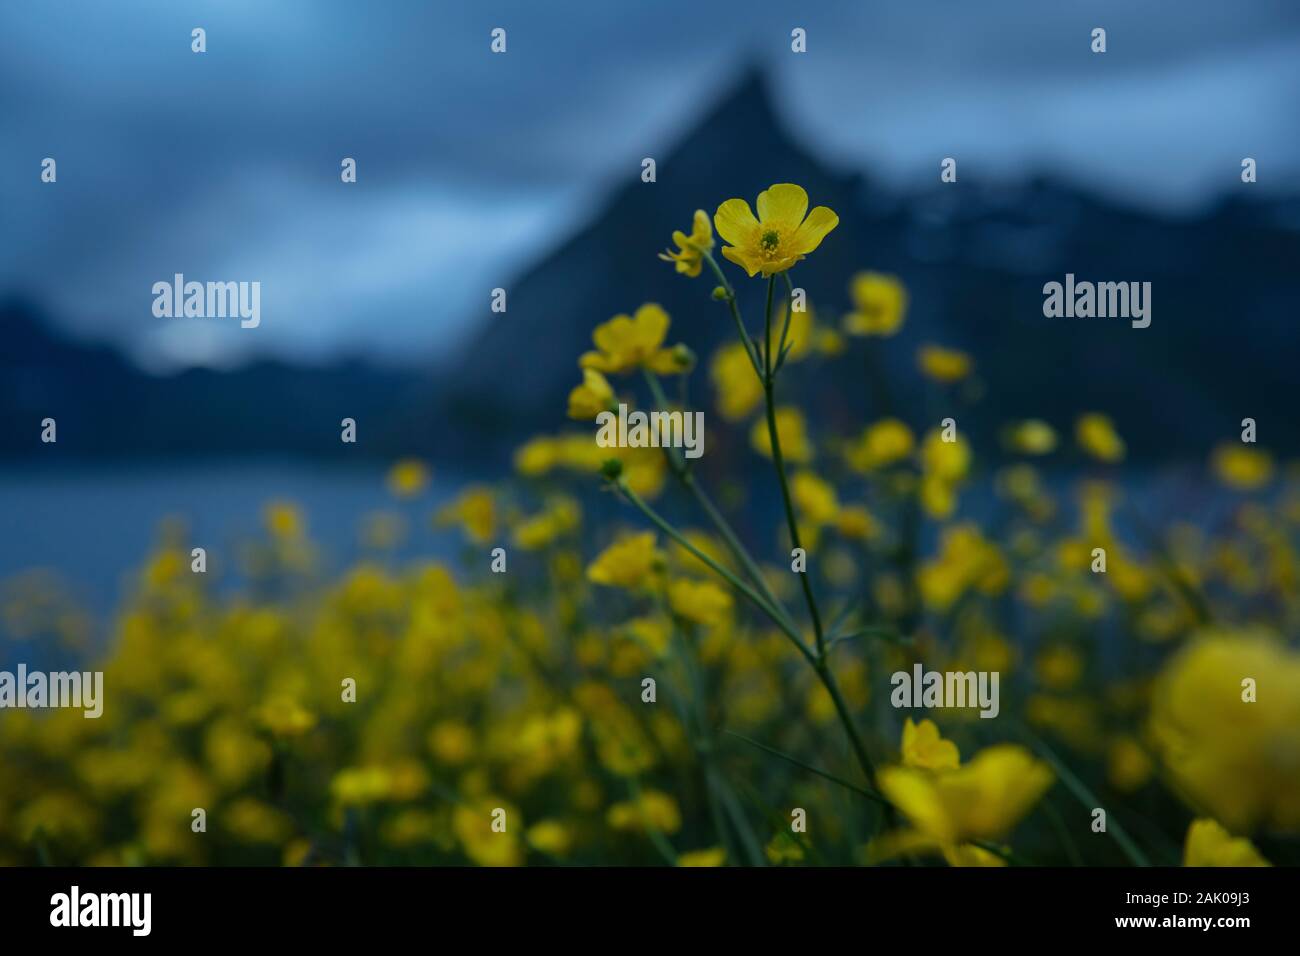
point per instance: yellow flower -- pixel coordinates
(1209, 844)
(856, 522)
(1096, 435)
(1128, 765)
(882, 443)
(358, 786)
(879, 305)
(714, 856)
(550, 836)
(285, 717)
(1238, 759)
(1031, 437)
(473, 826)
(1059, 667)
(283, 520)
(943, 365)
(408, 478)
(689, 258)
(814, 498)
(475, 511)
(780, 236)
(790, 432)
(628, 562)
(652, 810)
(948, 460)
(592, 397)
(925, 749)
(982, 800)
(626, 343)
(451, 742)
(1241, 467)
(703, 602)
(734, 379)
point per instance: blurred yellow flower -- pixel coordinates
(474, 509)
(408, 478)
(1209, 844)
(1237, 758)
(735, 381)
(791, 432)
(629, 562)
(592, 397)
(628, 342)
(652, 810)
(882, 443)
(550, 836)
(700, 601)
(814, 498)
(689, 255)
(1031, 437)
(925, 749)
(473, 824)
(1096, 435)
(780, 236)
(981, 800)
(879, 305)
(714, 856)
(942, 364)
(1241, 467)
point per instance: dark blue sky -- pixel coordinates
(225, 165)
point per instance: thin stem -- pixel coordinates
(735, 313)
(718, 569)
(683, 474)
(769, 383)
(863, 791)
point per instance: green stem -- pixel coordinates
(735, 313)
(738, 550)
(718, 569)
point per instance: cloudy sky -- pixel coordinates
(226, 165)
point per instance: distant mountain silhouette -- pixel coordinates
(1221, 345)
(975, 256)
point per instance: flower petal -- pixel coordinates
(782, 204)
(740, 258)
(736, 223)
(814, 229)
(651, 326)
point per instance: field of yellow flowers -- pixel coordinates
(665, 690)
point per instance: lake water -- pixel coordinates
(93, 526)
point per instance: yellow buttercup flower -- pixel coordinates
(738, 386)
(592, 397)
(814, 498)
(882, 443)
(879, 305)
(408, 478)
(1237, 758)
(1096, 435)
(714, 856)
(700, 601)
(690, 249)
(628, 342)
(943, 365)
(1209, 844)
(627, 563)
(982, 800)
(791, 432)
(925, 749)
(1241, 467)
(780, 236)
(475, 511)
(1031, 437)
(652, 810)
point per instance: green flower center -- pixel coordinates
(771, 239)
